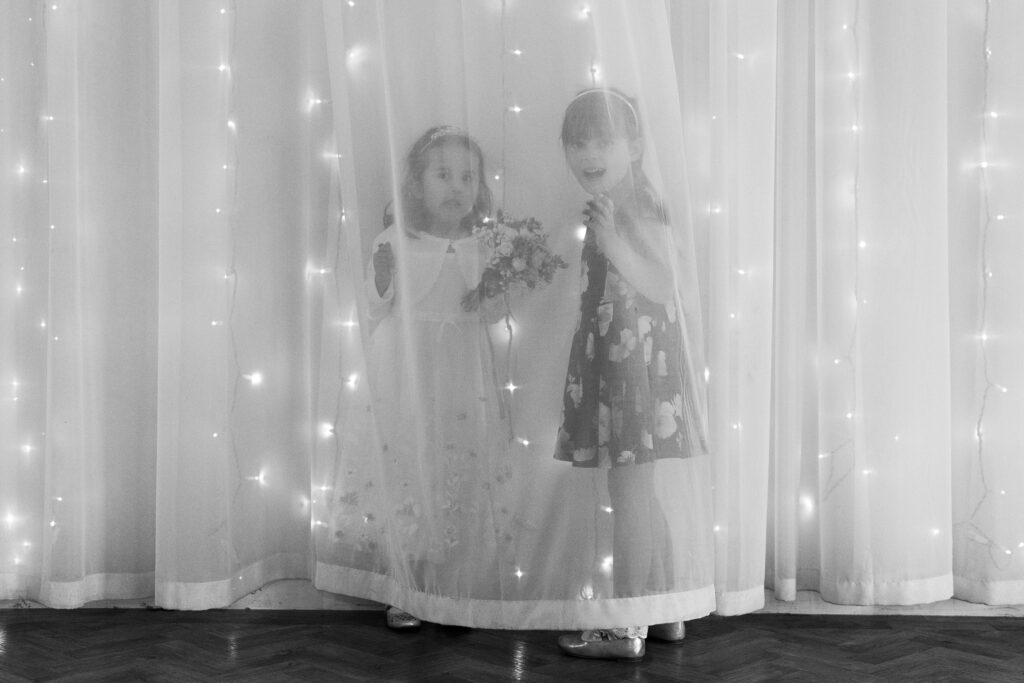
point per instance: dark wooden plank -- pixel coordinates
(257, 645)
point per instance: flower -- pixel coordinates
(605, 313)
(575, 391)
(620, 352)
(626, 458)
(661, 364)
(517, 257)
(665, 421)
(644, 326)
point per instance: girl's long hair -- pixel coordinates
(410, 207)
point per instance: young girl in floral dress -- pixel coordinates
(624, 394)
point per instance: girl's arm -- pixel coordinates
(380, 281)
(648, 272)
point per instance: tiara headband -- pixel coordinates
(443, 132)
(622, 98)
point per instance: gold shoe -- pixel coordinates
(401, 621)
(602, 645)
(672, 632)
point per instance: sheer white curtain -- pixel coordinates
(543, 545)
(986, 145)
(895, 479)
(184, 230)
(245, 145)
(80, 303)
(861, 380)
(165, 201)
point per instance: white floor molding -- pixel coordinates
(810, 602)
(299, 594)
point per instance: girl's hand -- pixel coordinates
(599, 214)
(383, 267)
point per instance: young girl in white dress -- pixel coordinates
(420, 527)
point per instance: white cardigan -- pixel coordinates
(418, 262)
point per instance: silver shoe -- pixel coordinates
(398, 620)
(672, 632)
(602, 644)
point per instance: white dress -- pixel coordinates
(418, 519)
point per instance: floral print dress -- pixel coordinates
(623, 390)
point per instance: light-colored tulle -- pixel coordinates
(440, 490)
(189, 197)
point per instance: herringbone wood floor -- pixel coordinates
(265, 645)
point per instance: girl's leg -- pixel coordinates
(642, 548)
(630, 489)
(631, 492)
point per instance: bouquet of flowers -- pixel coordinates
(518, 256)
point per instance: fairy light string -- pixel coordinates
(12, 168)
(846, 363)
(998, 553)
(227, 218)
(56, 502)
(500, 472)
(224, 217)
(330, 428)
(351, 338)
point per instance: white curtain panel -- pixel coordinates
(861, 381)
(244, 131)
(190, 192)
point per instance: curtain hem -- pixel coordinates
(518, 614)
(185, 595)
(71, 594)
(907, 592)
(988, 592)
(735, 603)
(15, 586)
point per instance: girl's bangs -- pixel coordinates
(595, 117)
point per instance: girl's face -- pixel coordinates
(601, 163)
(449, 185)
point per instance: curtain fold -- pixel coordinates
(880, 266)
(82, 416)
(245, 170)
(986, 139)
(189, 196)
